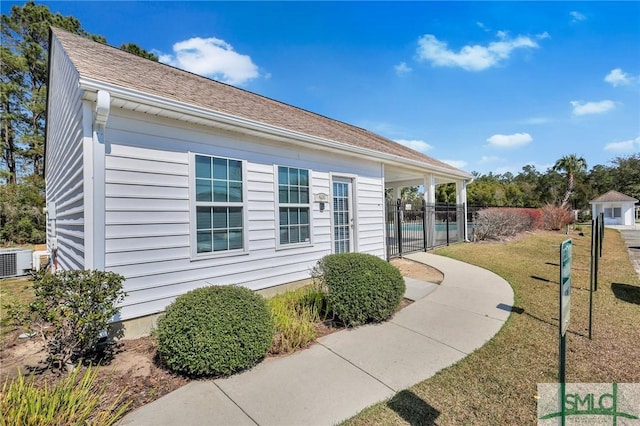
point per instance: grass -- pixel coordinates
(75, 399)
(497, 383)
(14, 293)
(296, 315)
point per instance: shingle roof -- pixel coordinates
(613, 196)
(111, 65)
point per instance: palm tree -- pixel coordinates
(571, 164)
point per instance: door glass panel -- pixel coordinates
(341, 217)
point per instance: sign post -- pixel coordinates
(593, 271)
(595, 250)
(565, 314)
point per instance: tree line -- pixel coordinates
(568, 183)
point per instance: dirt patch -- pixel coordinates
(136, 371)
(132, 370)
(26, 355)
(417, 270)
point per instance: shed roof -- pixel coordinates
(613, 196)
(108, 64)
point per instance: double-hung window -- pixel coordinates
(219, 205)
(613, 212)
(293, 206)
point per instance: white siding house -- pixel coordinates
(617, 208)
(176, 181)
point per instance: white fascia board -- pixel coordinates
(255, 127)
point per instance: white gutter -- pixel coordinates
(277, 133)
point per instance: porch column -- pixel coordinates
(429, 183)
(461, 199)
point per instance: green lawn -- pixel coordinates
(13, 291)
(496, 385)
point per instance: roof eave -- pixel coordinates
(256, 127)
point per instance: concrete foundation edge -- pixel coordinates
(143, 326)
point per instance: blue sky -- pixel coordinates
(485, 86)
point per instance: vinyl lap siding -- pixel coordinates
(370, 212)
(64, 162)
(148, 212)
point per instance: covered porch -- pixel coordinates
(422, 224)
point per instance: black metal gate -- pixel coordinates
(411, 228)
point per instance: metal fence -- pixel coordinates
(411, 228)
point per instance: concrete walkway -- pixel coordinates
(631, 237)
(349, 370)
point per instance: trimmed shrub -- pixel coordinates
(360, 287)
(496, 223)
(295, 315)
(215, 331)
(555, 217)
(72, 310)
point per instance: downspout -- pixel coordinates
(95, 182)
(103, 107)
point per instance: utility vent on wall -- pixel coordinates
(15, 262)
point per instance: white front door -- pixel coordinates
(342, 215)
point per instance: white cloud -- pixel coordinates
(459, 164)
(483, 26)
(577, 16)
(543, 36)
(417, 145)
(509, 141)
(632, 145)
(513, 169)
(584, 108)
(540, 167)
(212, 57)
(617, 77)
(385, 128)
(402, 68)
(471, 57)
(536, 120)
(506, 169)
(489, 159)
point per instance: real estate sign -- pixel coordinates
(565, 285)
(565, 314)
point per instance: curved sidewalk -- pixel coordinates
(351, 369)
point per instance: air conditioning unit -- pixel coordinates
(15, 262)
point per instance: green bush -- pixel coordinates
(215, 331)
(295, 317)
(74, 400)
(72, 309)
(360, 287)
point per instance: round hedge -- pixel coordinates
(360, 287)
(215, 331)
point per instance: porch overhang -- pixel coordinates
(398, 177)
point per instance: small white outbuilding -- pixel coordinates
(618, 208)
(176, 181)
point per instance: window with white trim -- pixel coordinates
(293, 206)
(219, 221)
(613, 212)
